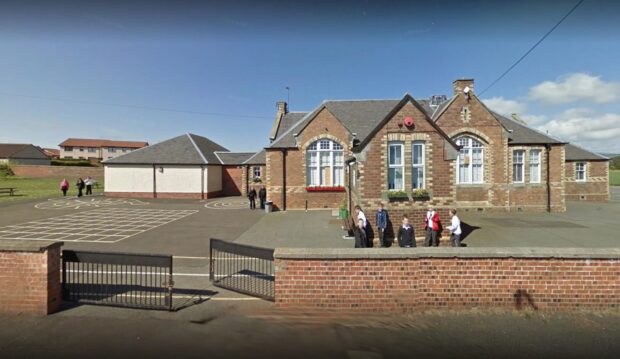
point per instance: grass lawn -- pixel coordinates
(614, 177)
(29, 188)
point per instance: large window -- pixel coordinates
(470, 162)
(517, 166)
(534, 166)
(580, 172)
(417, 164)
(256, 171)
(325, 164)
(396, 166)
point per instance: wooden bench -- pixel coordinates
(8, 190)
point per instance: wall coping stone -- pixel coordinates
(446, 252)
(28, 246)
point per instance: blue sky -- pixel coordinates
(65, 68)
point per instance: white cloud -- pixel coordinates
(575, 87)
(504, 106)
(580, 124)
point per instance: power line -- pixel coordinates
(532, 48)
(100, 103)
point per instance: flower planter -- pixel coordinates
(325, 189)
(421, 199)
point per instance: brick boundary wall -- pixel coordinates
(30, 277)
(71, 173)
(400, 280)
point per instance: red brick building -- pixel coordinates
(409, 154)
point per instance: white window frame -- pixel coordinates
(256, 169)
(521, 164)
(469, 148)
(401, 145)
(537, 163)
(419, 165)
(324, 145)
(584, 170)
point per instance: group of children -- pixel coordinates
(405, 234)
(80, 185)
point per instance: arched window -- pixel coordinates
(325, 163)
(470, 162)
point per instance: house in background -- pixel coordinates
(23, 154)
(51, 153)
(96, 149)
(186, 166)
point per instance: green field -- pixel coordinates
(614, 177)
(29, 188)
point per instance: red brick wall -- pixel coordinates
(60, 172)
(232, 182)
(596, 186)
(402, 284)
(325, 125)
(30, 281)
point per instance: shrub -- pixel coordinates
(71, 162)
(419, 193)
(5, 170)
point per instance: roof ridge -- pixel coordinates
(254, 155)
(528, 127)
(359, 100)
(297, 123)
(189, 135)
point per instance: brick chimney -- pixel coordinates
(460, 84)
(275, 128)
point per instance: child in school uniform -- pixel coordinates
(406, 236)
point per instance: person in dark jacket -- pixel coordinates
(361, 239)
(381, 219)
(406, 236)
(262, 196)
(80, 186)
(252, 198)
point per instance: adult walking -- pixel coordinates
(361, 239)
(262, 196)
(406, 235)
(431, 226)
(455, 229)
(64, 187)
(89, 185)
(80, 186)
(252, 198)
(381, 219)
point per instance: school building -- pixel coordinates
(411, 153)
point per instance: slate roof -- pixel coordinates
(87, 142)
(259, 158)
(576, 153)
(288, 120)
(522, 134)
(234, 158)
(187, 149)
(21, 150)
(358, 116)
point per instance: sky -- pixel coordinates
(154, 70)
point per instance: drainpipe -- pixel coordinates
(202, 182)
(154, 181)
(548, 148)
(284, 179)
(349, 162)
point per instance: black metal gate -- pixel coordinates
(242, 268)
(117, 279)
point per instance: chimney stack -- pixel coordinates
(459, 86)
(282, 107)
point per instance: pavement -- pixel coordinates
(219, 330)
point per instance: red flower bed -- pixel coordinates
(325, 189)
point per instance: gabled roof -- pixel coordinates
(187, 149)
(521, 134)
(234, 158)
(576, 153)
(21, 150)
(287, 121)
(87, 142)
(357, 116)
(259, 158)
